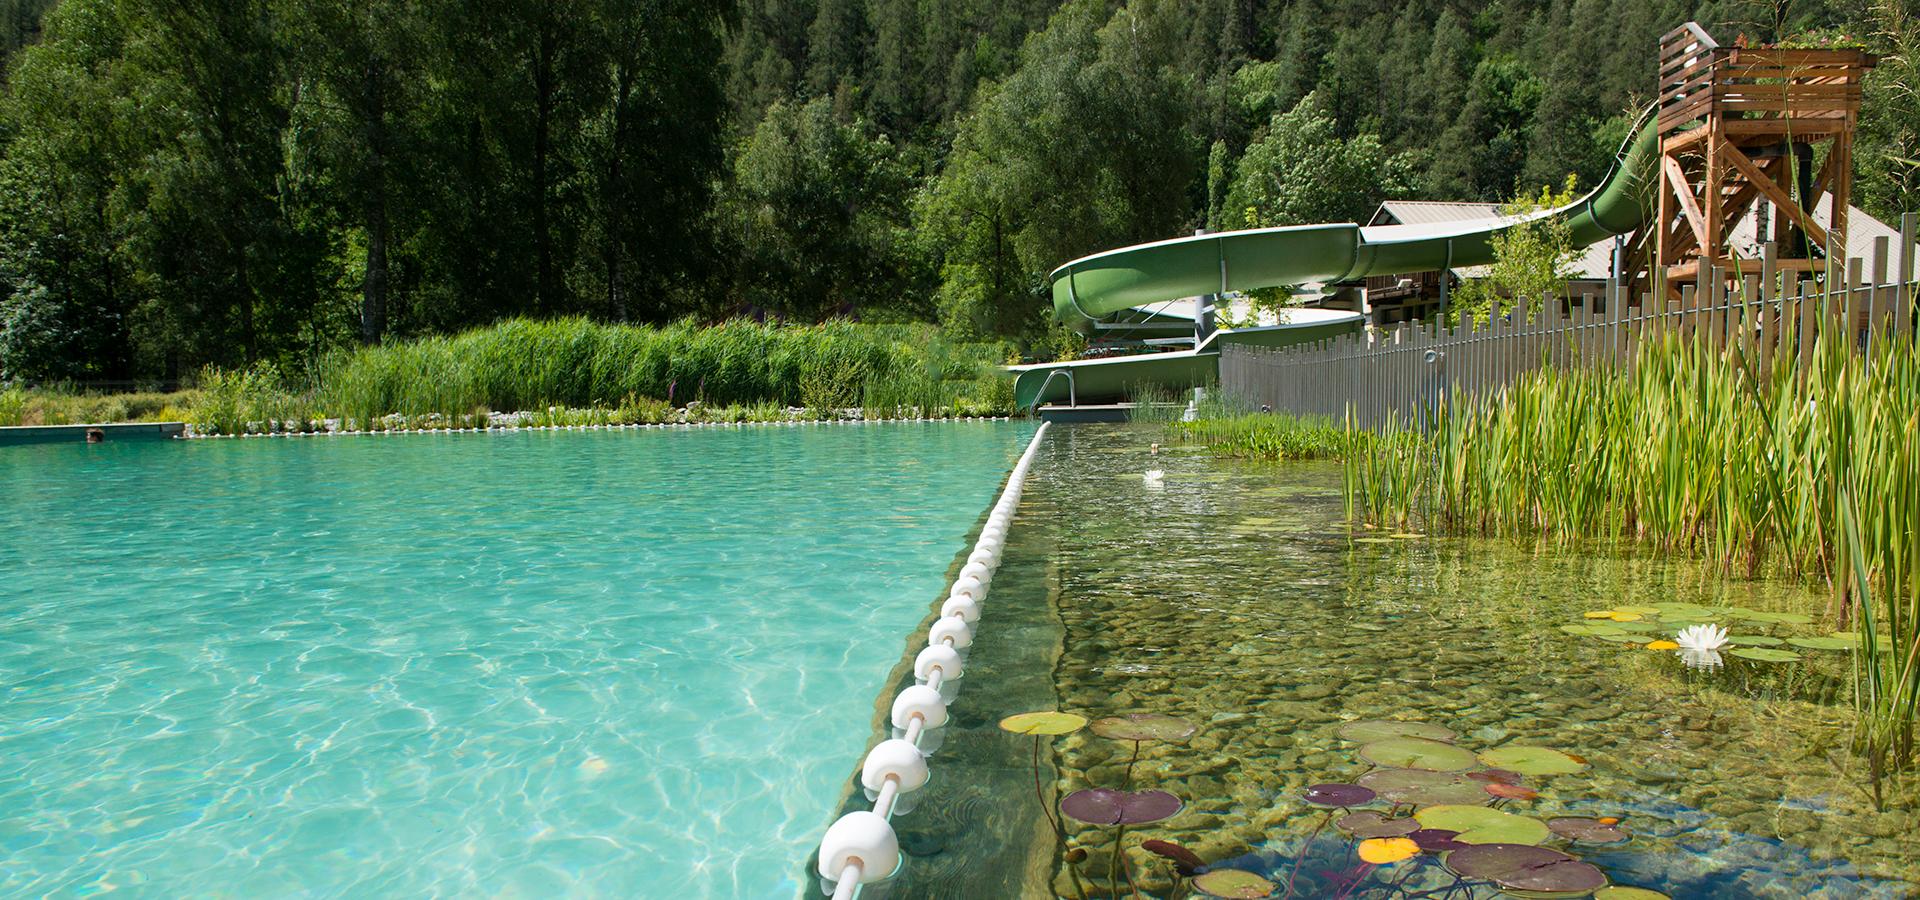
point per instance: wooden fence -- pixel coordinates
(1770, 318)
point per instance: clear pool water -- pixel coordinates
(506, 665)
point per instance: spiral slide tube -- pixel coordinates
(860, 847)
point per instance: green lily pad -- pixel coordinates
(1779, 618)
(1423, 788)
(1643, 627)
(1754, 640)
(1619, 892)
(1367, 731)
(1143, 727)
(1764, 654)
(1849, 636)
(1048, 723)
(1484, 825)
(1531, 760)
(1417, 753)
(1671, 608)
(1619, 637)
(1368, 824)
(1233, 883)
(1823, 643)
(1643, 610)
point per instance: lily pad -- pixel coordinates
(1620, 637)
(1764, 654)
(1417, 753)
(1779, 618)
(1641, 627)
(1233, 883)
(1618, 892)
(1185, 861)
(1144, 727)
(1370, 824)
(1338, 796)
(1517, 867)
(1531, 760)
(1101, 806)
(1484, 825)
(1503, 776)
(1424, 788)
(1642, 610)
(1436, 840)
(1049, 723)
(1754, 640)
(1586, 830)
(1366, 731)
(1823, 643)
(1510, 791)
(1387, 851)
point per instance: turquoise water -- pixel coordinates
(634, 663)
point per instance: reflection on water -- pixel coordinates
(1234, 597)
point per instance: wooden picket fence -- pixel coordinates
(1397, 372)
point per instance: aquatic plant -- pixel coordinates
(1701, 638)
(1043, 725)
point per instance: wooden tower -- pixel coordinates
(1744, 126)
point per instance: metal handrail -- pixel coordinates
(1073, 392)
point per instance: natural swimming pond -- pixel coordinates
(534, 664)
(1234, 598)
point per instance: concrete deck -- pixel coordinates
(68, 434)
(1088, 412)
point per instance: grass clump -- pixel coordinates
(1808, 470)
(1265, 436)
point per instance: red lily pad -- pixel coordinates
(1436, 840)
(1144, 727)
(1509, 791)
(1587, 831)
(1101, 806)
(1338, 796)
(1185, 861)
(1520, 867)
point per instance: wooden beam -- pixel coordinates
(1689, 205)
(1773, 192)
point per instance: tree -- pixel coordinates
(1530, 260)
(817, 207)
(1299, 171)
(1888, 155)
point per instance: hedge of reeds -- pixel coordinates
(1265, 436)
(523, 364)
(1812, 471)
(23, 406)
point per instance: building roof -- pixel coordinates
(1597, 262)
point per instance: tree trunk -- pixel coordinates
(617, 197)
(544, 89)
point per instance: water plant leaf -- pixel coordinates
(1387, 851)
(1233, 883)
(1185, 861)
(1641, 627)
(1417, 753)
(1754, 640)
(1823, 643)
(1370, 824)
(1662, 645)
(1101, 806)
(1425, 788)
(1048, 723)
(1598, 614)
(1510, 791)
(1503, 776)
(1436, 840)
(1764, 654)
(1517, 867)
(1586, 830)
(1531, 760)
(1619, 892)
(1338, 796)
(1484, 825)
(1144, 727)
(1619, 616)
(1366, 731)
(1619, 637)
(1779, 618)
(1642, 610)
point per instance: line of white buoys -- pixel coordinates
(861, 847)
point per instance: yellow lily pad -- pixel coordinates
(1388, 850)
(1047, 722)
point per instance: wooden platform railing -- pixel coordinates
(1770, 318)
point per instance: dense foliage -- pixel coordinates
(185, 182)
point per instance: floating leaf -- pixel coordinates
(1425, 788)
(1779, 618)
(1049, 723)
(1387, 851)
(1852, 637)
(1369, 824)
(1233, 883)
(1532, 760)
(1100, 806)
(1417, 753)
(1436, 840)
(1642, 610)
(1517, 867)
(1823, 643)
(1662, 645)
(1754, 640)
(1764, 654)
(1668, 608)
(1598, 614)
(1338, 796)
(1510, 791)
(1185, 861)
(1144, 727)
(1484, 825)
(1619, 637)
(1587, 831)
(1616, 892)
(1366, 731)
(1501, 775)
(1641, 627)
(1619, 616)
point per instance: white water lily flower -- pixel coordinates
(1701, 637)
(1154, 475)
(1700, 659)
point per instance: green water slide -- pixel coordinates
(1094, 287)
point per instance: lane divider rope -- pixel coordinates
(861, 847)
